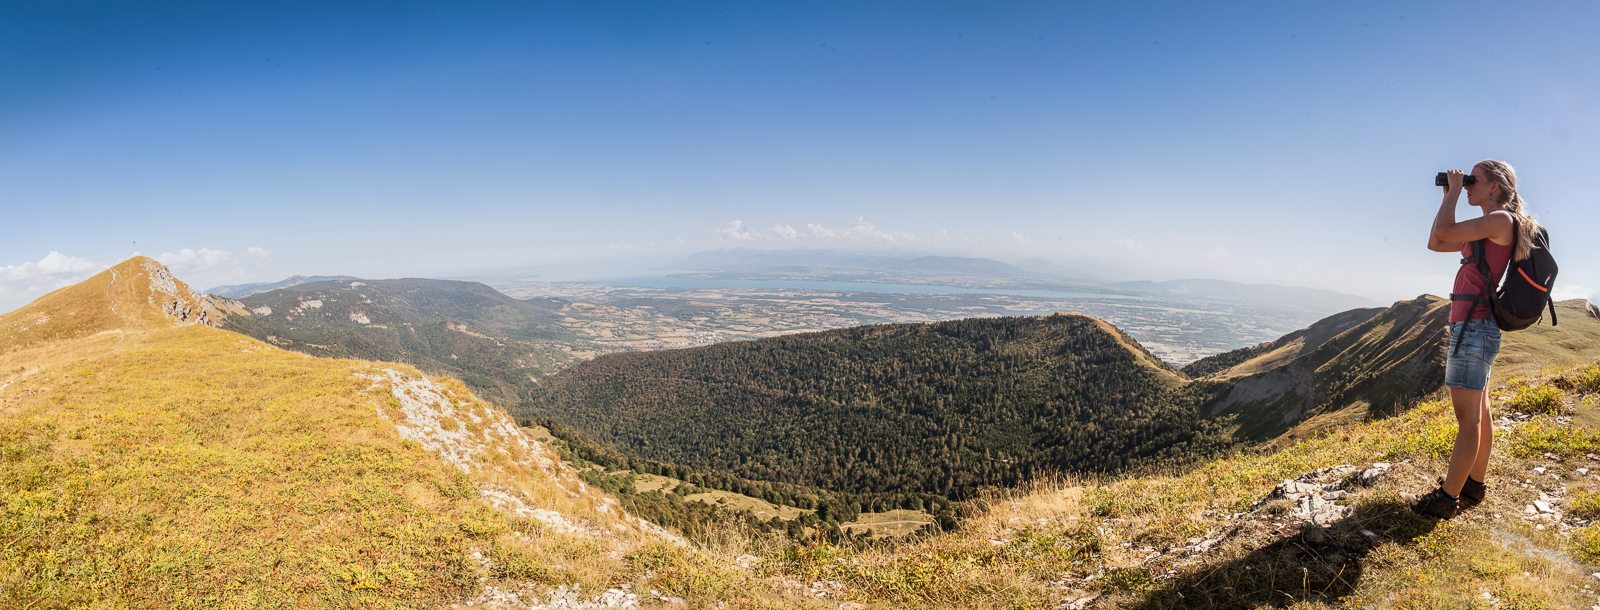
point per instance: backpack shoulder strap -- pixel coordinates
(1482, 260)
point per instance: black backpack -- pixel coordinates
(1521, 302)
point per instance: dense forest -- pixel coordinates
(614, 472)
(943, 409)
(494, 343)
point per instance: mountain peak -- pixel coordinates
(136, 294)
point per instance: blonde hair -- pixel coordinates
(1501, 173)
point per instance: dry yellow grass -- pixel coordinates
(148, 464)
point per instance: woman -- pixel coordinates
(1474, 337)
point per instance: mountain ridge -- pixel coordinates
(239, 291)
(431, 324)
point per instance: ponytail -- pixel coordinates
(1501, 173)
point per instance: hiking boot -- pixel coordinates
(1436, 503)
(1473, 490)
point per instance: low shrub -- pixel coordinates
(1537, 400)
(1585, 380)
(1586, 543)
(681, 572)
(1585, 505)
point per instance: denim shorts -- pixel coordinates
(1471, 354)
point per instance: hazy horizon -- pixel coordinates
(1287, 144)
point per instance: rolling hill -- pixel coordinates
(944, 408)
(243, 290)
(498, 345)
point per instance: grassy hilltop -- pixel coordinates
(150, 461)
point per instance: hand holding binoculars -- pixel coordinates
(1443, 179)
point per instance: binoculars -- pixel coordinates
(1443, 179)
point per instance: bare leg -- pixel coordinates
(1480, 468)
(1469, 413)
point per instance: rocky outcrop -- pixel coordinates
(175, 299)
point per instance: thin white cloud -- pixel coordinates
(1015, 236)
(55, 270)
(258, 255)
(1125, 244)
(735, 231)
(860, 232)
(195, 260)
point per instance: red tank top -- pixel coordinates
(1470, 281)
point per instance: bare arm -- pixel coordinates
(1448, 235)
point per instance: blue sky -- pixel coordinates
(1285, 142)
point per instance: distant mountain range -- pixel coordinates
(243, 290)
(1044, 267)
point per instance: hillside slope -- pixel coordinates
(1371, 363)
(149, 461)
(498, 345)
(939, 408)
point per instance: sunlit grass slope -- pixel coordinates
(148, 463)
